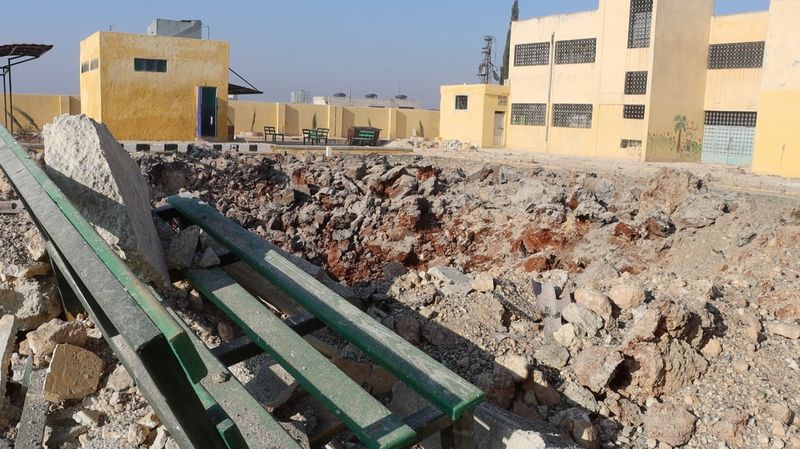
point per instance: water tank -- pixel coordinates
(176, 28)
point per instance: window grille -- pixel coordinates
(641, 20)
(532, 54)
(728, 118)
(576, 51)
(572, 115)
(744, 55)
(528, 114)
(633, 111)
(462, 101)
(630, 143)
(635, 83)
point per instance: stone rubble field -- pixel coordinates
(647, 310)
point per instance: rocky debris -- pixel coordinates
(671, 424)
(106, 186)
(627, 295)
(44, 339)
(119, 379)
(74, 373)
(182, 248)
(517, 365)
(585, 321)
(552, 355)
(786, 330)
(594, 301)
(33, 302)
(595, 366)
(8, 336)
(453, 281)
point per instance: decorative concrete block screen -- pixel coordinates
(630, 143)
(743, 55)
(532, 54)
(572, 115)
(576, 51)
(640, 23)
(729, 137)
(635, 83)
(528, 114)
(633, 111)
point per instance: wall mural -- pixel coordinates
(682, 143)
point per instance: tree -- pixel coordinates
(314, 121)
(507, 51)
(681, 124)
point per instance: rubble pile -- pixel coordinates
(616, 311)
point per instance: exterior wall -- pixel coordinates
(738, 89)
(680, 61)
(291, 119)
(33, 111)
(777, 150)
(90, 85)
(474, 125)
(149, 105)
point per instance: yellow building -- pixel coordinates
(152, 87)
(652, 80)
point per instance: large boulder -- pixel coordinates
(107, 188)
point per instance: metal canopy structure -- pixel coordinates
(16, 54)
(235, 89)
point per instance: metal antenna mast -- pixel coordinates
(487, 71)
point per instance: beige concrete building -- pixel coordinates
(652, 80)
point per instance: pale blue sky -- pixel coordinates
(322, 46)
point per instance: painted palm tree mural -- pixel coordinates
(681, 125)
(681, 141)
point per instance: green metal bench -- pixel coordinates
(363, 138)
(454, 397)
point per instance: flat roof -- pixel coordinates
(33, 50)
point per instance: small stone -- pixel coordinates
(580, 396)
(35, 245)
(594, 301)
(712, 349)
(408, 327)
(160, 441)
(74, 373)
(43, 340)
(137, 434)
(455, 282)
(226, 331)
(586, 321)
(669, 424)
(786, 330)
(552, 355)
(119, 379)
(782, 413)
(515, 364)
(150, 420)
(209, 259)
(740, 366)
(88, 418)
(182, 248)
(595, 367)
(567, 337)
(8, 336)
(484, 282)
(627, 295)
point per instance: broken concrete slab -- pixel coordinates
(96, 173)
(182, 248)
(43, 340)
(8, 336)
(74, 373)
(33, 302)
(272, 385)
(455, 282)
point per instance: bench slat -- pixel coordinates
(372, 423)
(445, 389)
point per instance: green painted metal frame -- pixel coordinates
(367, 418)
(445, 389)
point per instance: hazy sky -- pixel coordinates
(379, 46)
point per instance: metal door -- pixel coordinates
(206, 111)
(729, 137)
(499, 128)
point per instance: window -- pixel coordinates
(528, 114)
(461, 102)
(726, 118)
(577, 51)
(744, 55)
(149, 65)
(532, 54)
(572, 115)
(89, 66)
(630, 143)
(633, 111)
(640, 23)
(635, 83)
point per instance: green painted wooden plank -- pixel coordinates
(367, 418)
(246, 419)
(176, 337)
(433, 381)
